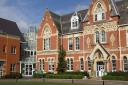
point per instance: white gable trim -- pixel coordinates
(98, 47)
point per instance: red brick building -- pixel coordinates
(10, 39)
(95, 39)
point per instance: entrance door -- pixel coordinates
(100, 69)
(28, 70)
(1, 70)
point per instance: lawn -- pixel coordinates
(35, 83)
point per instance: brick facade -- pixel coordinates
(6, 56)
(100, 53)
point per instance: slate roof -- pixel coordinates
(63, 22)
(114, 11)
(123, 11)
(10, 27)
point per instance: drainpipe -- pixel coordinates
(120, 47)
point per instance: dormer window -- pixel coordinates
(99, 13)
(75, 21)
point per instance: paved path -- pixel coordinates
(79, 81)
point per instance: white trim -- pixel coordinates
(98, 47)
(70, 64)
(72, 43)
(83, 63)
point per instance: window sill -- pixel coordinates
(77, 50)
(81, 70)
(99, 21)
(103, 43)
(69, 70)
(70, 50)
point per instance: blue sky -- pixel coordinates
(30, 12)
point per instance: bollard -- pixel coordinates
(72, 81)
(103, 82)
(43, 79)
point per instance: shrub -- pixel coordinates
(116, 76)
(117, 73)
(76, 73)
(39, 74)
(63, 76)
(13, 75)
(108, 77)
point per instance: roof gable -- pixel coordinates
(63, 22)
(10, 27)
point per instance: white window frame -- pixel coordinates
(114, 67)
(96, 37)
(13, 68)
(47, 39)
(81, 65)
(41, 64)
(89, 63)
(69, 43)
(1, 70)
(13, 49)
(105, 40)
(77, 48)
(125, 64)
(99, 12)
(75, 21)
(70, 64)
(51, 64)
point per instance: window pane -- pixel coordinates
(70, 44)
(77, 43)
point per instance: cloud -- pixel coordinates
(81, 7)
(13, 13)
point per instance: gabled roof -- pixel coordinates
(122, 7)
(57, 20)
(10, 27)
(114, 11)
(63, 22)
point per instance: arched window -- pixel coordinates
(103, 34)
(74, 21)
(125, 62)
(89, 63)
(77, 43)
(113, 64)
(99, 13)
(81, 64)
(46, 39)
(97, 36)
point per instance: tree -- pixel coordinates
(62, 63)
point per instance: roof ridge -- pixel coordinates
(73, 12)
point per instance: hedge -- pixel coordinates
(117, 73)
(64, 76)
(116, 76)
(76, 73)
(12, 75)
(108, 77)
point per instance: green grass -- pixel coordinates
(34, 83)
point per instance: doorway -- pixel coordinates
(28, 70)
(100, 69)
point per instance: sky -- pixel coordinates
(28, 13)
